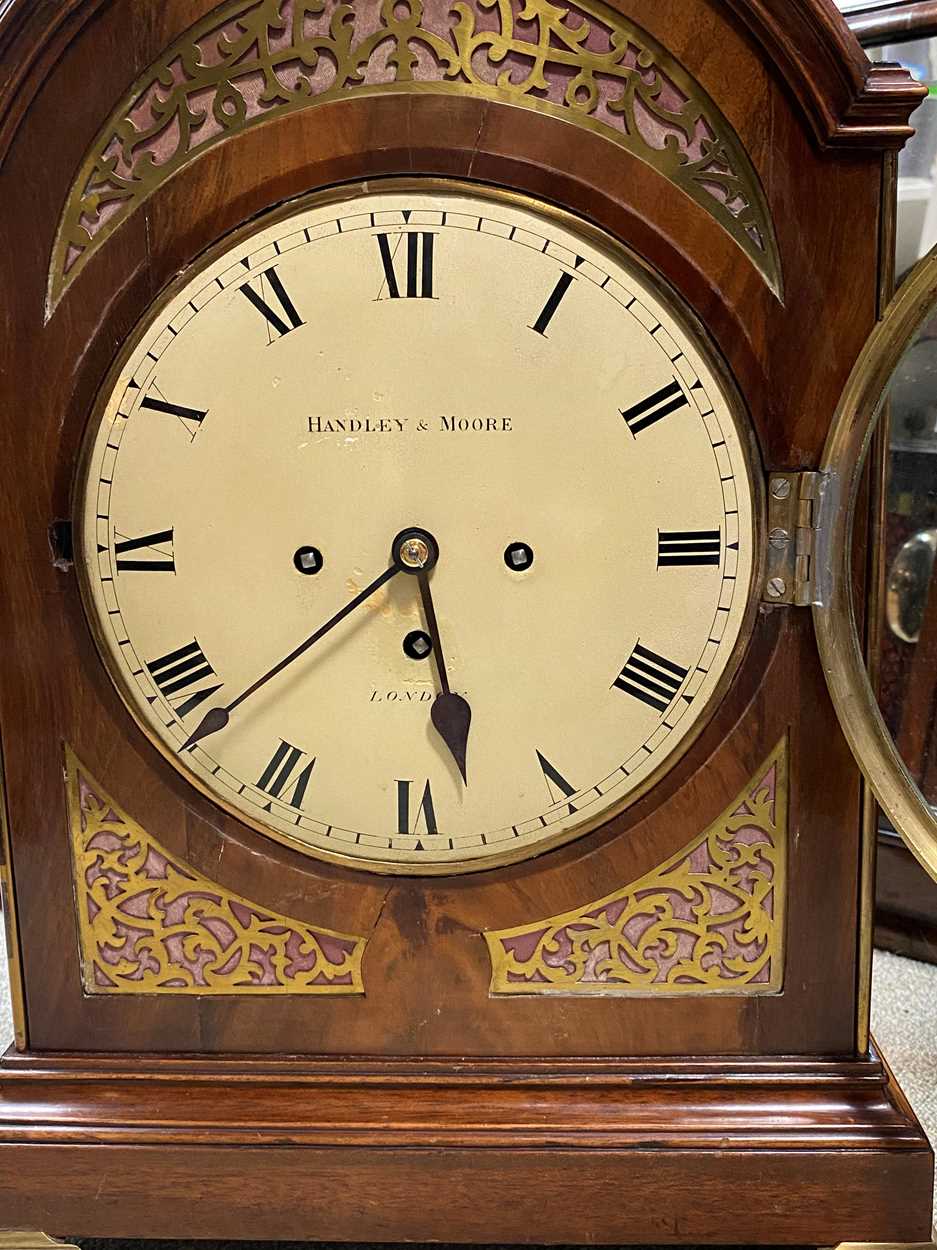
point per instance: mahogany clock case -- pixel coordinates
(820, 126)
(69, 701)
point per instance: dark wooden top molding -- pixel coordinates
(33, 35)
(848, 100)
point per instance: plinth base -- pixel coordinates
(769, 1151)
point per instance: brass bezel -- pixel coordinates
(842, 468)
(685, 318)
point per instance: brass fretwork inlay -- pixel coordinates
(251, 61)
(709, 920)
(150, 924)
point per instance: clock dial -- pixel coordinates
(414, 482)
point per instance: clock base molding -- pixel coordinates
(26, 1239)
(799, 1150)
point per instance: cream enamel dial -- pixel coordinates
(501, 379)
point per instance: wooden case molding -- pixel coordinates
(565, 1152)
(708, 921)
(150, 924)
(848, 100)
(251, 61)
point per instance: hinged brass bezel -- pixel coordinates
(839, 481)
(792, 524)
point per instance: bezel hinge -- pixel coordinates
(793, 510)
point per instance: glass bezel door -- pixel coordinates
(841, 652)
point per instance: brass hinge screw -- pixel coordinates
(792, 511)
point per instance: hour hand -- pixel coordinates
(452, 717)
(416, 551)
(213, 720)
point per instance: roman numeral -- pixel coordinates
(286, 770)
(177, 671)
(552, 304)
(676, 548)
(426, 809)
(287, 318)
(555, 782)
(159, 558)
(189, 418)
(661, 404)
(419, 264)
(652, 679)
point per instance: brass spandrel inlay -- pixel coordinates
(150, 924)
(709, 920)
(251, 61)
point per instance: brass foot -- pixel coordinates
(882, 1245)
(26, 1239)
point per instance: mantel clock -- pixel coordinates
(434, 485)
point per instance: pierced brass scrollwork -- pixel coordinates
(709, 920)
(150, 924)
(251, 61)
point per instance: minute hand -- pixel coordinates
(218, 717)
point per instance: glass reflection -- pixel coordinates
(908, 670)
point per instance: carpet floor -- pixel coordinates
(904, 1020)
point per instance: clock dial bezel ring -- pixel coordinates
(689, 324)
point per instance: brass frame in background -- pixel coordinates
(899, 22)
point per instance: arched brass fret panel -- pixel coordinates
(710, 920)
(150, 924)
(251, 61)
